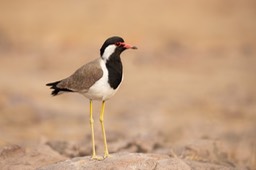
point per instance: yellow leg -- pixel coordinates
(94, 156)
(106, 154)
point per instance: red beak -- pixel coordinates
(128, 46)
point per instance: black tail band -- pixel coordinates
(57, 90)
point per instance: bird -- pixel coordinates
(97, 80)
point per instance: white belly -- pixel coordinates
(101, 90)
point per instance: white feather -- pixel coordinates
(101, 90)
(108, 52)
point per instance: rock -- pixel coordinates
(138, 144)
(17, 157)
(132, 161)
(207, 151)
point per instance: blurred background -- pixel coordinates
(189, 87)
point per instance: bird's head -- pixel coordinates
(114, 45)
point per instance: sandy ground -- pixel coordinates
(189, 89)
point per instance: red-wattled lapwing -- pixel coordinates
(97, 80)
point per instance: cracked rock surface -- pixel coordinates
(132, 161)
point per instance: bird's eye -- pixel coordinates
(117, 43)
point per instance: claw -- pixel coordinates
(107, 155)
(98, 158)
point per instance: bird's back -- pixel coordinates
(81, 80)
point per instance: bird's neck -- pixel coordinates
(115, 70)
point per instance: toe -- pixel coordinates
(95, 157)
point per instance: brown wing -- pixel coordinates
(83, 78)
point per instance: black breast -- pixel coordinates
(115, 71)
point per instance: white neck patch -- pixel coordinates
(108, 51)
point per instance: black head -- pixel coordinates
(118, 43)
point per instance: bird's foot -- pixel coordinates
(98, 158)
(107, 155)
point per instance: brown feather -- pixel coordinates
(83, 78)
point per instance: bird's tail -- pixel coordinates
(57, 90)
